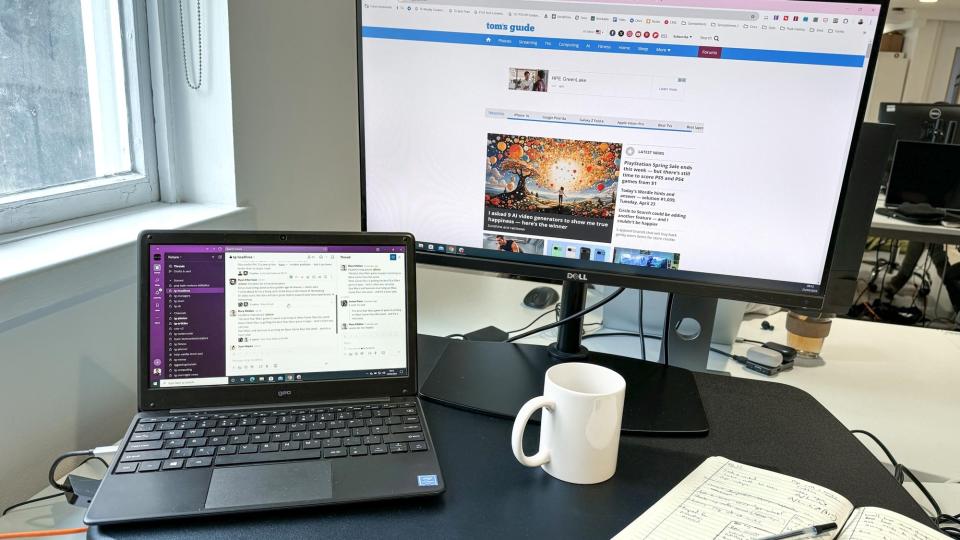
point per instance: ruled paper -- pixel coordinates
(870, 523)
(725, 500)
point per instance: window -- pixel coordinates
(75, 111)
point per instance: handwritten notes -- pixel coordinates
(870, 523)
(725, 500)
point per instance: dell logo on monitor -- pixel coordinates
(284, 393)
(576, 276)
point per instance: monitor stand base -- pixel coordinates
(498, 378)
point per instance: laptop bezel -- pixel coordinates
(151, 399)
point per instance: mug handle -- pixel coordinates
(520, 424)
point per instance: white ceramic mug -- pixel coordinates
(580, 426)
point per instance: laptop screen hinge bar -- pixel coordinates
(284, 405)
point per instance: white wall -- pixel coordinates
(295, 112)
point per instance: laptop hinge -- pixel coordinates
(293, 405)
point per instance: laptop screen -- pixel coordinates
(244, 314)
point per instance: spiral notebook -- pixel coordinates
(726, 500)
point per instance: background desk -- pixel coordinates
(888, 227)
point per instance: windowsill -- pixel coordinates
(50, 266)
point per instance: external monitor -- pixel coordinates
(925, 173)
(685, 145)
(920, 121)
(689, 146)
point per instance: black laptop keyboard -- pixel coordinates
(218, 438)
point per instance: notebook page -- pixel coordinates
(725, 500)
(870, 523)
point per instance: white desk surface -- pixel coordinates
(889, 227)
(896, 382)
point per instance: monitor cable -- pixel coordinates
(945, 523)
(643, 342)
(568, 318)
(65, 488)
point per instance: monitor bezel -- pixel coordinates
(270, 394)
(555, 270)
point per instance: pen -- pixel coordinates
(811, 531)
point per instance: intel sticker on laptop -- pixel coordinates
(426, 480)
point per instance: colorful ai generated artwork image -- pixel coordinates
(561, 176)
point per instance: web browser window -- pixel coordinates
(228, 314)
(688, 138)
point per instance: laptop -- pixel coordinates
(276, 370)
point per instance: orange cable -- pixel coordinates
(39, 534)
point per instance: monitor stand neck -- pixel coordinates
(568, 346)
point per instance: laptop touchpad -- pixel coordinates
(301, 481)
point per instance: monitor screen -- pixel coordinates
(244, 314)
(925, 173)
(692, 140)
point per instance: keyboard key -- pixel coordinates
(260, 438)
(182, 453)
(355, 423)
(396, 448)
(240, 439)
(217, 441)
(172, 464)
(145, 455)
(215, 432)
(358, 450)
(379, 430)
(418, 446)
(345, 416)
(142, 436)
(144, 428)
(331, 443)
(226, 450)
(406, 428)
(402, 437)
(279, 428)
(280, 437)
(269, 447)
(411, 419)
(393, 420)
(372, 439)
(230, 422)
(237, 430)
(364, 414)
(322, 434)
(352, 441)
(167, 426)
(337, 424)
(195, 442)
(199, 462)
(360, 432)
(297, 426)
(334, 452)
(311, 444)
(300, 436)
(379, 449)
(316, 426)
(149, 466)
(289, 445)
(192, 433)
(125, 468)
(173, 434)
(186, 425)
(374, 421)
(175, 443)
(143, 445)
(248, 449)
(205, 451)
(381, 413)
(256, 430)
(344, 432)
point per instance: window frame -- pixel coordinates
(141, 185)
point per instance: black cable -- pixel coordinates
(745, 340)
(933, 502)
(52, 475)
(64, 490)
(643, 342)
(568, 318)
(542, 315)
(24, 503)
(893, 461)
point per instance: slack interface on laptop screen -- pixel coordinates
(233, 314)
